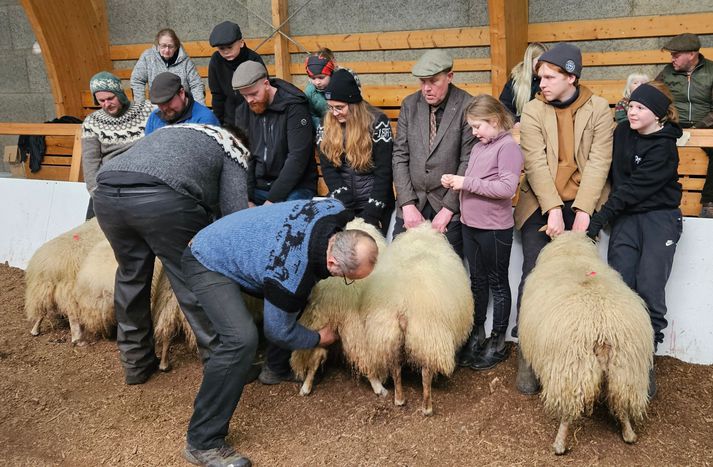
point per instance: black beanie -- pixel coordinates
(656, 101)
(566, 56)
(343, 87)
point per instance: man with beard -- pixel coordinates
(175, 104)
(232, 51)
(110, 130)
(276, 117)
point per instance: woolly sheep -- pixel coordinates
(334, 303)
(579, 325)
(51, 273)
(419, 311)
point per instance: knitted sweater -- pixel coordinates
(105, 137)
(278, 251)
(151, 64)
(201, 161)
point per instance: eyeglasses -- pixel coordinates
(345, 280)
(337, 108)
(167, 46)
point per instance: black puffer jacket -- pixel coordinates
(220, 82)
(368, 193)
(281, 143)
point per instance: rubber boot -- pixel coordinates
(473, 347)
(526, 381)
(495, 350)
(652, 383)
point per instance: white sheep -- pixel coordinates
(334, 303)
(51, 273)
(584, 331)
(418, 310)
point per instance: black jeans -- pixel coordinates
(453, 232)
(641, 249)
(142, 224)
(226, 369)
(488, 255)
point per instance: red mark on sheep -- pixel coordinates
(592, 273)
(75, 237)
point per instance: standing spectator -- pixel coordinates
(689, 76)
(486, 193)
(110, 130)
(632, 82)
(566, 138)
(167, 54)
(276, 117)
(319, 67)
(175, 105)
(432, 139)
(643, 207)
(524, 82)
(232, 51)
(355, 147)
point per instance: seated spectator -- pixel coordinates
(689, 76)
(319, 67)
(232, 51)
(166, 55)
(523, 83)
(632, 82)
(175, 105)
(355, 146)
(275, 116)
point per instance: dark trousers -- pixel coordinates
(641, 249)
(225, 371)
(707, 192)
(453, 232)
(142, 224)
(488, 255)
(533, 241)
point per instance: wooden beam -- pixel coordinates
(193, 49)
(47, 129)
(75, 170)
(282, 45)
(508, 38)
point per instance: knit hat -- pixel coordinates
(686, 42)
(105, 81)
(656, 101)
(343, 87)
(431, 63)
(225, 33)
(566, 56)
(318, 65)
(165, 85)
(247, 74)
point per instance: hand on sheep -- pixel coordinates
(440, 222)
(412, 216)
(327, 336)
(581, 222)
(555, 222)
(595, 226)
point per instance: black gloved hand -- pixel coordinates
(595, 226)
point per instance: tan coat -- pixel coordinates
(593, 132)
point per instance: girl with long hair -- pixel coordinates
(524, 82)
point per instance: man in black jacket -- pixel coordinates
(232, 51)
(275, 115)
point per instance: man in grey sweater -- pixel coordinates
(150, 201)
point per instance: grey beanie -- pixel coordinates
(566, 56)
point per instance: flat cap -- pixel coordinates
(225, 33)
(431, 63)
(247, 74)
(165, 85)
(683, 43)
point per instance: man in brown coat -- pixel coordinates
(432, 139)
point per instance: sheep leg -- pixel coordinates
(165, 365)
(560, 441)
(426, 379)
(399, 398)
(316, 358)
(627, 432)
(36, 327)
(75, 329)
(377, 386)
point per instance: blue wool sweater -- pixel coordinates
(278, 251)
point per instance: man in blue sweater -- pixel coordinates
(278, 252)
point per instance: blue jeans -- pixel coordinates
(260, 196)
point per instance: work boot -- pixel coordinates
(269, 377)
(224, 456)
(707, 210)
(473, 347)
(495, 350)
(526, 381)
(140, 376)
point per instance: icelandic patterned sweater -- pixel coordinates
(105, 137)
(278, 251)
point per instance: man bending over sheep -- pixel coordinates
(279, 252)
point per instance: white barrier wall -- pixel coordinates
(34, 211)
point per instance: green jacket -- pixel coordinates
(693, 98)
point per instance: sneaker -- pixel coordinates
(224, 456)
(269, 377)
(142, 375)
(707, 210)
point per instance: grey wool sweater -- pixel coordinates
(151, 64)
(201, 161)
